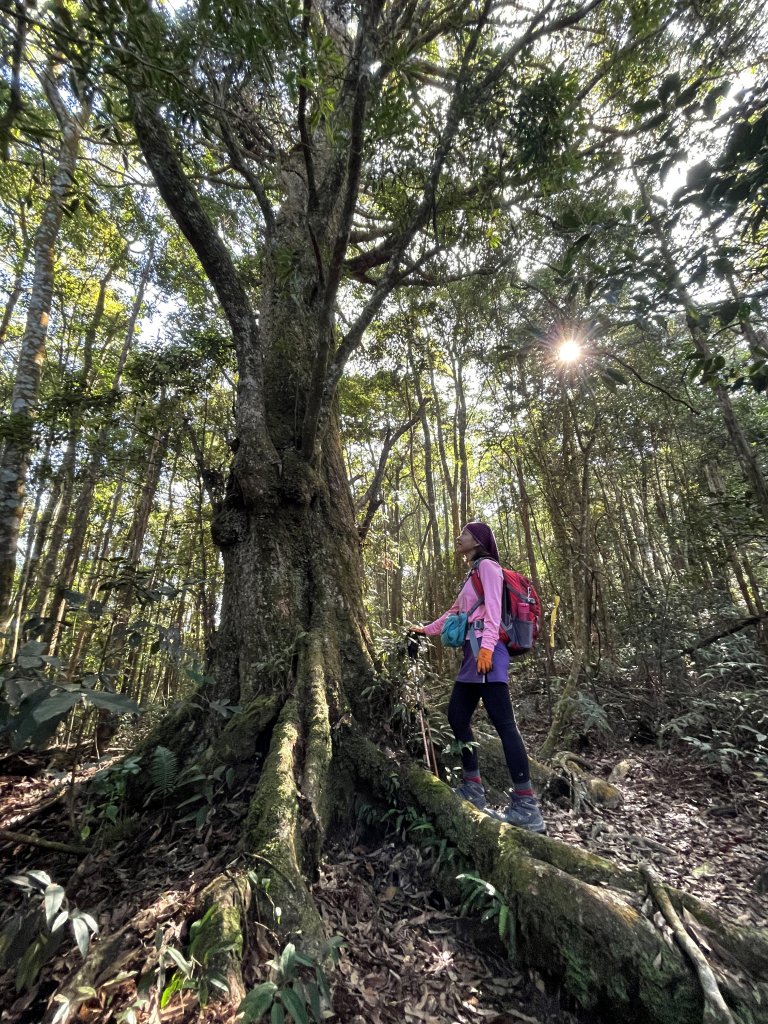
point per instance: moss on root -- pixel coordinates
(217, 941)
(318, 749)
(573, 917)
(606, 953)
(244, 733)
(273, 833)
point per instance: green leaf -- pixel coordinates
(277, 1015)
(709, 105)
(288, 961)
(89, 920)
(257, 1002)
(33, 648)
(117, 703)
(26, 663)
(294, 1005)
(670, 85)
(304, 961)
(218, 981)
(82, 935)
(176, 984)
(30, 965)
(164, 770)
(179, 959)
(699, 174)
(60, 920)
(313, 996)
(56, 706)
(63, 1009)
(53, 897)
(42, 878)
(503, 920)
(686, 96)
(616, 375)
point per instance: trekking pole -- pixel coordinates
(424, 732)
(429, 746)
(430, 758)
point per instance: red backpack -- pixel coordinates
(520, 610)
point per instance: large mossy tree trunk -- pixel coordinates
(290, 649)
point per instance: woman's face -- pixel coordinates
(466, 543)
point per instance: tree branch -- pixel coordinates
(753, 620)
(322, 399)
(306, 145)
(182, 200)
(354, 162)
(44, 844)
(372, 496)
(15, 102)
(254, 182)
(649, 383)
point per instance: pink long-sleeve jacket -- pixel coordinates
(489, 609)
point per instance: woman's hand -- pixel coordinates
(415, 629)
(484, 661)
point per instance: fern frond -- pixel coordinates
(164, 770)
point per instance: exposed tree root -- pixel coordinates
(715, 1010)
(586, 789)
(244, 735)
(217, 945)
(318, 749)
(576, 914)
(273, 832)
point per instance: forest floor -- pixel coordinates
(408, 955)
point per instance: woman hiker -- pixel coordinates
(485, 676)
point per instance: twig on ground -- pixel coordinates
(44, 844)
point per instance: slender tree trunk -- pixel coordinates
(525, 516)
(66, 472)
(744, 451)
(560, 735)
(431, 502)
(449, 481)
(16, 291)
(465, 497)
(14, 465)
(90, 474)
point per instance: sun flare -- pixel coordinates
(569, 351)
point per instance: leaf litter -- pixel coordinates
(407, 957)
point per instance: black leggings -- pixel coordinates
(495, 696)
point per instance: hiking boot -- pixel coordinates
(473, 792)
(522, 811)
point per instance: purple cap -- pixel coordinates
(483, 534)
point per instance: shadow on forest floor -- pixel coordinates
(408, 957)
